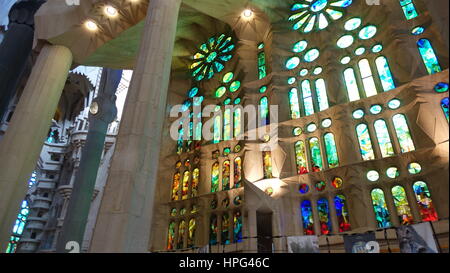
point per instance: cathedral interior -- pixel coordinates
(295, 118)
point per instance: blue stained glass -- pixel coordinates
(264, 104)
(342, 3)
(300, 46)
(307, 216)
(311, 55)
(377, 48)
(367, 32)
(428, 56)
(382, 215)
(319, 5)
(417, 30)
(444, 105)
(352, 24)
(385, 74)
(441, 87)
(409, 9)
(193, 92)
(342, 213)
(292, 63)
(324, 216)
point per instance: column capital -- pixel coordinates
(23, 12)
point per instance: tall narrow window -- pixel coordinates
(444, 105)
(18, 227)
(293, 102)
(428, 56)
(181, 234)
(409, 9)
(237, 122)
(171, 236)
(307, 217)
(384, 140)
(401, 204)
(322, 97)
(226, 175)
(237, 227)
(316, 157)
(227, 134)
(382, 215)
(185, 189)
(403, 133)
(330, 148)
(324, 216)
(180, 140)
(217, 129)
(300, 157)
(191, 232)
(261, 61)
(225, 236)
(424, 201)
(342, 213)
(264, 108)
(365, 143)
(367, 78)
(237, 172)
(215, 177)
(195, 182)
(352, 86)
(267, 164)
(307, 98)
(384, 72)
(213, 230)
(176, 186)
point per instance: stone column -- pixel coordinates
(22, 143)
(125, 216)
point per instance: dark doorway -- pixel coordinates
(264, 230)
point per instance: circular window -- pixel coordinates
(297, 131)
(360, 51)
(311, 55)
(320, 186)
(367, 32)
(394, 104)
(292, 63)
(303, 188)
(392, 172)
(414, 168)
(357, 114)
(303, 72)
(373, 175)
(237, 201)
(441, 87)
(291, 80)
(352, 24)
(173, 212)
(376, 109)
(326, 123)
(345, 60)
(337, 182)
(311, 127)
(300, 46)
(269, 191)
(317, 70)
(377, 48)
(345, 41)
(417, 30)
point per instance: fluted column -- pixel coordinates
(125, 216)
(22, 143)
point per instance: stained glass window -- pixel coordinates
(311, 55)
(307, 98)
(226, 175)
(367, 78)
(237, 172)
(215, 177)
(217, 129)
(428, 56)
(227, 134)
(401, 203)
(181, 234)
(384, 140)
(237, 227)
(267, 164)
(225, 234)
(337, 182)
(303, 188)
(444, 106)
(293, 102)
(191, 232)
(316, 157)
(213, 230)
(171, 236)
(237, 122)
(176, 186)
(180, 140)
(409, 9)
(300, 157)
(424, 201)
(384, 72)
(365, 143)
(382, 215)
(18, 227)
(403, 133)
(330, 148)
(264, 106)
(262, 63)
(195, 182)
(185, 189)
(324, 216)
(350, 83)
(321, 91)
(307, 216)
(342, 213)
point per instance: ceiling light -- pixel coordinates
(91, 25)
(248, 13)
(110, 11)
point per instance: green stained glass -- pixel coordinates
(382, 215)
(292, 80)
(367, 32)
(267, 164)
(394, 104)
(392, 172)
(367, 78)
(316, 157)
(307, 98)
(377, 48)
(220, 91)
(262, 65)
(237, 172)
(292, 63)
(384, 140)
(324, 216)
(293, 102)
(191, 232)
(345, 41)
(401, 204)
(226, 175)
(217, 129)
(403, 133)
(441, 87)
(235, 86)
(303, 72)
(181, 234)
(360, 51)
(414, 168)
(331, 151)
(409, 9)
(264, 107)
(321, 92)
(300, 46)
(311, 55)
(261, 46)
(365, 143)
(215, 177)
(227, 125)
(171, 236)
(263, 89)
(193, 92)
(300, 157)
(297, 131)
(417, 30)
(424, 201)
(213, 230)
(237, 122)
(384, 73)
(350, 83)
(237, 101)
(428, 56)
(352, 24)
(228, 77)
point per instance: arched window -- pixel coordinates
(185, 191)
(213, 230)
(300, 157)
(237, 122)
(176, 186)
(428, 56)
(307, 98)
(227, 134)
(225, 236)
(384, 72)
(409, 9)
(171, 236)
(195, 182)
(267, 164)
(264, 108)
(384, 140)
(307, 216)
(180, 140)
(401, 203)
(181, 234)
(217, 129)
(350, 83)
(342, 213)
(215, 177)
(424, 201)
(261, 61)
(237, 227)
(444, 105)
(322, 97)
(382, 215)
(324, 216)
(316, 157)
(18, 227)
(403, 133)
(237, 172)
(367, 78)
(331, 151)
(365, 143)
(293, 102)
(191, 232)
(226, 175)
